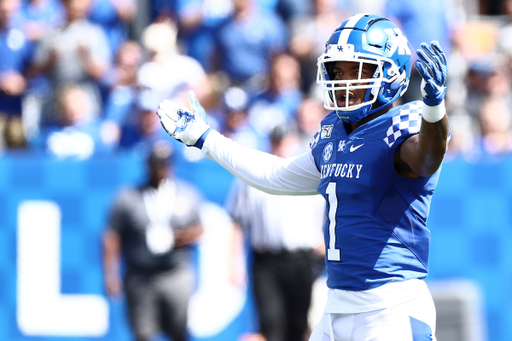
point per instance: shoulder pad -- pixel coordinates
(406, 120)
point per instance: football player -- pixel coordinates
(376, 165)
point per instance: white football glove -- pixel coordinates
(185, 126)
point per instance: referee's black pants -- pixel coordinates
(283, 283)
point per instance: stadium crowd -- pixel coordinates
(79, 78)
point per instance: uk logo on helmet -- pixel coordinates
(399, 41)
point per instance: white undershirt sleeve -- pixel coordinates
(292, 176)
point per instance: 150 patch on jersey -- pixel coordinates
(326, 131)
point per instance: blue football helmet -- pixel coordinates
(366, 38)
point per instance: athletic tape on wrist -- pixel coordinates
(435, 113)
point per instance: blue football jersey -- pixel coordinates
(376, 226)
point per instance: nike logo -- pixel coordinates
(354, 148)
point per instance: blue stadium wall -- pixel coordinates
(471, 225)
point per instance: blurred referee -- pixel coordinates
(285, 236)
(154, 227)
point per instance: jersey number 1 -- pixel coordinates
(333, 254)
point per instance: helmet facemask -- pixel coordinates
(378, 87)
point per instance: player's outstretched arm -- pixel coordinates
(267, 172)
(422, 154)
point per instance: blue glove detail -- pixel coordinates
(432, 66)
(200, 141)
(185, 117)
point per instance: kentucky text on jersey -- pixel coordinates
(342, 170)
(376, 221)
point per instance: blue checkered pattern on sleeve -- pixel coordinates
(406, 123)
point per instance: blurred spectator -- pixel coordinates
(487, 76)
(285, 236)
(236, 124)
(120, 83)
(308, 35)
(162, 10)
(197, 19)
(290, 9)
(456, 93)
(422, 21)
(309, 115)
(495, 121)
(464, 133)
(114, 16)
(280, 98)
(505, 31)
(143, 129)
(15, 56)
(245, 43)
(363, 6)
(168, 72)
(210, 93)
(75, 53)
(39, 17)
(77, 133)
(152, 228)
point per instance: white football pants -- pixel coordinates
(411, 321)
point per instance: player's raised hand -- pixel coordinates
(432, 65)
(187, 126)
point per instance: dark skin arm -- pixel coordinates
(111, 263)
(421, 155)
(188, 235)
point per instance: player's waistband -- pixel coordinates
(385, 296)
